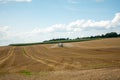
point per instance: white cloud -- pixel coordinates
(4, 28)
(59, 30)
(6, 34)
(79, 25)
(116, 20)
(53, 28)
(3, 32)
(6, 1)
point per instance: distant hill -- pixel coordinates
(78, 39)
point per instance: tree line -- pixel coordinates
(78, 39)
(107, 35)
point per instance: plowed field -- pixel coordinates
(77, 56)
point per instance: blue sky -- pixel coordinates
(23, 21)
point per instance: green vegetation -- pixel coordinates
(66, 40)
(25, 72)
(56, 41)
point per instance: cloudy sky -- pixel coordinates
(24, 21)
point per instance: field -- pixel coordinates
(89, 60)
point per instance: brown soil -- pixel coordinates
(80, 56)
(93, 74)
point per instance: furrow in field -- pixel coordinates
(28, 54)
(11, 60)
(10, 53)
(25, 53)
(18, 61)
(42, 54)
(41, 50)
(59, 52)
(48, 54)
(4, 52)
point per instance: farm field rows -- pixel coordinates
(76, 56)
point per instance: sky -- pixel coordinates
(26, 21)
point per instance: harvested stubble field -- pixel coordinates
(89, 60)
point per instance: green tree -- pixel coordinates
(112, 34)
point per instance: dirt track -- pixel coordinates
(87, 55)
